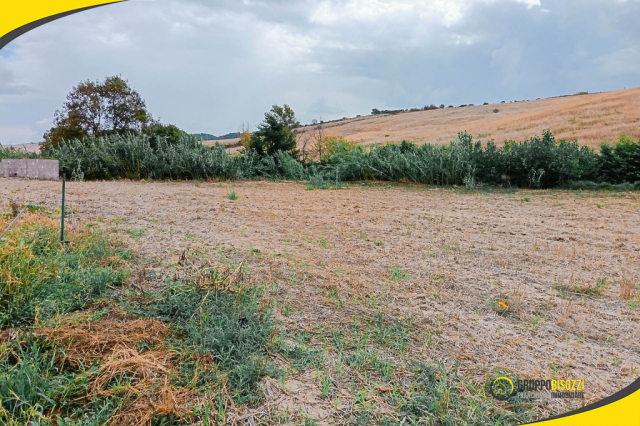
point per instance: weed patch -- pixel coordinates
(40, 278)
(193, 350)
(439, 397)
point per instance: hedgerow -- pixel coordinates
(540, 162)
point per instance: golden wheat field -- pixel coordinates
(566, 265)
(591, 119)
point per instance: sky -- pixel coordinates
(210, 66)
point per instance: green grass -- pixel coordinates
(232, 195)
(440, 397)
(594, 290)
(398, 274)
(634, 303)
(137, 232)
(300, 355)
(219, 338)
(40, 278)
(233, 327)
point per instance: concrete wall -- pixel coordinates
(32, 169)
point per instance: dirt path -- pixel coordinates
(443, 259)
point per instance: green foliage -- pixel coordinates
(602, 186)
(40, 278)
(232, 195)
(219, 337)
(210, 137)
(398, 274)
(35, 382)
(95, 108)
(276, 132)
(535, 163)
(169, 132)
(442, 398)
(620, 163)
(335, 145)
(133, 156)
(230, 326)
(9, 152)
(300, 356)
(29, 383)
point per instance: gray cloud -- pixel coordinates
(319, 109)
(8, 85)
(209, 66)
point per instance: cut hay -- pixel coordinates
(101, 339)
(156, 401)
(139, 368)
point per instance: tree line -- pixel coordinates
(104, 131)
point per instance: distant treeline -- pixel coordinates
(208, 137)
(376, 111)
(540, 162)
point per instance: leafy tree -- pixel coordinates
(95, 108)
(275, 133)
(620, 162)
(170, 132)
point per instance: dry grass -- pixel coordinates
(592, 119)
(156, 400)
(627, 288)
(443, 259)
(113, 342)
(115, 334)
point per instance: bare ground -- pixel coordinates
(440, 257)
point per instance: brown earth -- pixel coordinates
(442, 257)
(591, 119)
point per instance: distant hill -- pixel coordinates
(209, 137)
(589, 118)
(28, 147)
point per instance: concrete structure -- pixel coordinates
(28, 168)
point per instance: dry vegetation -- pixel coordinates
(591, 119)
(423, 272)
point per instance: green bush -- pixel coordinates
(540, 162)
(9, 152)
(335, 145)
(170, 132)
(137, 156)
(620, 162)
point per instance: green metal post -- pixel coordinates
(62, 214)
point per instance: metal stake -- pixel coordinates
(62, 213)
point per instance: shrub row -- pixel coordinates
(540, 162)
(134, 156)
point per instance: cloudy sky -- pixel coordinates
(209, 65)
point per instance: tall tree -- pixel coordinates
(275, 133)
(95, 108)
